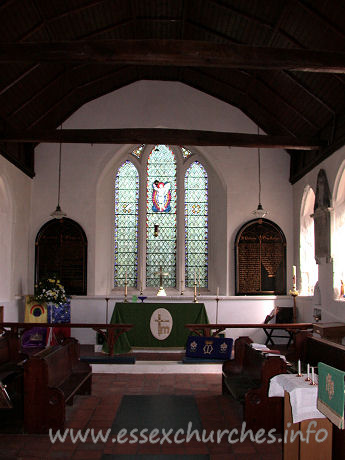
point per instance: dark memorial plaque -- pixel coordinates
(61, 251)
(260, 259)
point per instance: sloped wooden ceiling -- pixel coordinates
(281, 62)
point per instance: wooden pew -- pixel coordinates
(246, 379)
(52, 377)
(11, 384)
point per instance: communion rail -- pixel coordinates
(110, 332)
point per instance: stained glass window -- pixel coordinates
(196, 225)
(138, 151)
(126, 225)
(161, 216)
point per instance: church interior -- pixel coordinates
(183, 155)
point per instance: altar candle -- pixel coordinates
(308, 371)
(312, 375)
(299, 367)
(294, 276)
(126, 277)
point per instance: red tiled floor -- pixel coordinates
(98, 411)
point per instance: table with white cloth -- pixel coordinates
(301, 413)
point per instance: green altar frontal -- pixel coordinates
(151, 320)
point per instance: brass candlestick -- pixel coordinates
(217, 300)
(125, 299)
(312, 382)
(106, 310)
(195, 299)
(294, 294)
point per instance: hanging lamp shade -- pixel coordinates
(259, 212)
(58, 213)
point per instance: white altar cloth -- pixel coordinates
(303, 396)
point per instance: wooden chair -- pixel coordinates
(281, 315)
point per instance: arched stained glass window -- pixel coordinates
(126, 225)
(196, 225)
(308, 267)
(161, 216)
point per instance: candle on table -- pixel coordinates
(294, 276)
(126, 277)
(299, 367)
(312, 376)
(308, 371)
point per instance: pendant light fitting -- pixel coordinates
(259, 212)
(58, 213)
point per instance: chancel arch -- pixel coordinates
(308, 266)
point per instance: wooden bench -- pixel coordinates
(11, 383)
(52, 377)
(246, 379)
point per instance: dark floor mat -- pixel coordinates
(157, 411)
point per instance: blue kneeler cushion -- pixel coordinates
(203, 349)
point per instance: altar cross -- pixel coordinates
(161, 290)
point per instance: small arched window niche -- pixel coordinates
(61, 251)
(260, 249)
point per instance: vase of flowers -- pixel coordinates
(52, 292)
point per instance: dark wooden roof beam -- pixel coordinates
(273, 116)
(301, 85)
(55, 81)
(322, 18)
(186, 53)
(226, 7)
(283, 100)
(157, 136)
(77, 10)
(18, 79)
(103, 30)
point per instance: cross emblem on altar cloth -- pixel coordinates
(162, 329)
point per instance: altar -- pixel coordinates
(155, 324)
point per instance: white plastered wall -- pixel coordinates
(15, 203)
(87, 195)
(332, 309)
